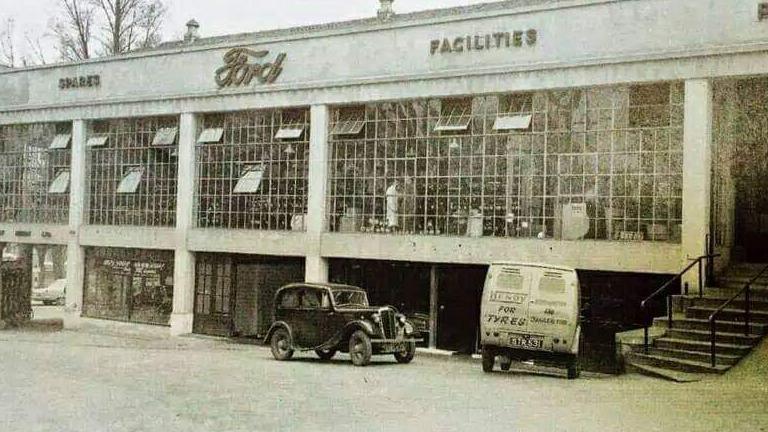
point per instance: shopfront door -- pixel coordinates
(459, 291)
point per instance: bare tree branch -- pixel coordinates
(73, 29)
(129, 24)
(7, 45)
(36, 47)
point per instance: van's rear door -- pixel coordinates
(550, 310)
(506, 308)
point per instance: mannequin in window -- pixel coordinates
(393, 192)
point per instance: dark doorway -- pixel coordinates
(460, 289)
(234, 293)
(750, 166)
(404, 285)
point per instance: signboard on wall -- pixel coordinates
(242, 66)
(483, 42)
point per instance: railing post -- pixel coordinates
(712, 339)
(746, 311)
(645, 339)
(686, 287)
(669, 312)
(701, 281)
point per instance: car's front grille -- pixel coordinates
(388, 325)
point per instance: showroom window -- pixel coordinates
(132, 165)
(594, 163)
(252, 169)
(34, 173)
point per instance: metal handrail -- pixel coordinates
(665, 287)
(712, 323)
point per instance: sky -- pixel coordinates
(217, 17)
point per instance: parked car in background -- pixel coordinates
(530, 312)
(55, 293)
(328, 318)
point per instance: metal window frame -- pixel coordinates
(60, 141)
(165, 136)
(481, 181)
(28, 166)
(211, 135)
(249, 140)
(131, 180)
(60, 183)
(130, 144)
(250, 174)
(97, 140)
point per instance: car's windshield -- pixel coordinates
(349, 298)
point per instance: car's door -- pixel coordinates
(309, 321)
(287, 310)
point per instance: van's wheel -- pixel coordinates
(406, 355)
(280, 343)
(574, 370)
(489, 357)
(325, 354)
(505, 364)
(360, 348)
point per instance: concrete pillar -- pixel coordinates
(184, 260)
(77, 214)
(697, 172)
(316, 267)
(433, 306)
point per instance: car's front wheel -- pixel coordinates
(280, 343)
(325, 354)
(360, 348)
(406, 355)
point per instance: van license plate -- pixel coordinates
(527, 342)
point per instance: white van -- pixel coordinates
(530, 312)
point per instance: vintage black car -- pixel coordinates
(327, 318)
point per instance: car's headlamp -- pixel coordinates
(408, 328)
(376, 318)
(401, 319)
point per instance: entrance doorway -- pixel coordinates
(234, 293)
(750, 169)
(460, 289)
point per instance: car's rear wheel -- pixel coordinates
(489, 357)
(360, 348)
(280, 343)
(325, 354)
(406, 355)
(574, 369)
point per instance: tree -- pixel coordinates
(119, 26)
(73, 29)
(7, 44)
(129, 25)
(10, 55)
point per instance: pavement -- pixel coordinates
(100, 378)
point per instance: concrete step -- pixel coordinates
(667, 374)
(756, 304)
(700, 356)
(701, 346)
(703, 324)
(720, 337)
(738, 282)
(725, 292)
(729, 314)
(688, 366)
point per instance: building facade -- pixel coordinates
(403, 153)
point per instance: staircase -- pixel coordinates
(683, 353)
